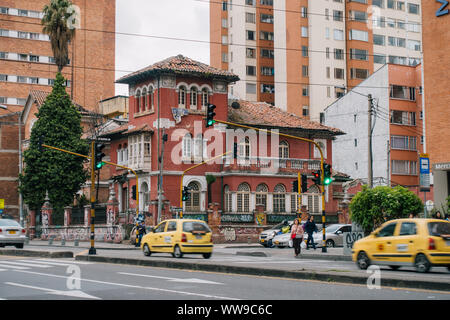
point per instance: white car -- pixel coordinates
(333, 235)
(11, 233)
(283, 240)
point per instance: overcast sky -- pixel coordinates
(185, 19)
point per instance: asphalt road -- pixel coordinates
(24, 278)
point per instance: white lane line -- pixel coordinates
(70, 293)
(14, 267)
(185, 280)
(3, 269)
(138, 287)
(47, 262)
(64, 261)
(14, 263)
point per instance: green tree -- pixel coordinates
(371, 207)
(59, 173)
(56, 26)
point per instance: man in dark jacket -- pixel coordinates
(310, 228)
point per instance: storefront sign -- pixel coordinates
(443, 10)
(441, 166)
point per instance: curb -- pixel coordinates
(252, 254)
(303, 275)
(80, 247)
(332, 257)
(30, 253)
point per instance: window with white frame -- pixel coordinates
(279, 198)
(187, 146)
(313, 196)
(243, 198)
(182, 97)
(193, 204)
(228, 199)
(244, 148)
(283, 150)
(193, 98)
(138, 101)
(144, 99)
(198, 146)
(404, 143)
(261, 195)
(205, 98)
(404, 167)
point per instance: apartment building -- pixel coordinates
(397, 136)
(303, 55)
(26, 58)
(436, 39)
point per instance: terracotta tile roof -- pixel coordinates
(264, 114)
(179, 65)
(39, 97)
(128, 129)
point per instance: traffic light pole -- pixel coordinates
(324, 248)
(92, 158)
(299, 200)
(189, 169)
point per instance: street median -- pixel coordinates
(36, 253)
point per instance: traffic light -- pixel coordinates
(133, 192)
(327, 174)
(99, 156)
(186, 195)
(316, 177)
(295, 185)
(210, 115)
(304, 182)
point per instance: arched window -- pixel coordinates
(182, 97)
(243, 198)
(125, 153)
(119, 154)
(205, 98)
(145, 194)
(138, 101)
(283, 150)
(261, 195)
(144, 99)
(279, 198)
(314, 200)
(193, 204)
(228, 199)
(194, 98)
(198, 146)
(187, 146)
(150, 98)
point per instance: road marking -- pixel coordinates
(27, 264)
(138, 287)
(189, 280)
(63, 261)
(70, 293)
(15, 267)
(3, 269)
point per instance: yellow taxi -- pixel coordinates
(179, 237)
(420, 243)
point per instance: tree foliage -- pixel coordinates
(59, 173)
(371, 207)
(54, 21)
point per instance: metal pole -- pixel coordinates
(20, 169)
(369, 130)
(160, 180)
(92, 248)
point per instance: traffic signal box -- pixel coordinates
(186, 195)
(210, 115)
(99, 155)
(316, 177)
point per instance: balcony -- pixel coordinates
(275, 165)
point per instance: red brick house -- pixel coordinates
(173, 95)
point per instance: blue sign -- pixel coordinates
(1, 211)
(441, 11)
(424, 165)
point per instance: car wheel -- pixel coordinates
(147, 251)
(177, 252)
(394, 267)
(19, 245)
(330, 243)
(207, 255)
(421, 263)
(280, 247)
(362, 261)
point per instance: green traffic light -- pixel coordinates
(211, 122)
(99, 165)
(327, 181)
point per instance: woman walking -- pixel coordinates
(297, 236)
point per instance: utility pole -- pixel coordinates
(160, 178)
(369, 127)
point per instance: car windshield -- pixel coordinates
(280, 225)
(8, 223)
(438, 228)
(332, 228)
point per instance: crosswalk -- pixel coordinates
(40, 264)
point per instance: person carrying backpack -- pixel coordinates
(310, 228)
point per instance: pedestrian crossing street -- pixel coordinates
(41, 263)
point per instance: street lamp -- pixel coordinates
(20, 158)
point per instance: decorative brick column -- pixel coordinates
(67, 216)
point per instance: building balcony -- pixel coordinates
(276, 165)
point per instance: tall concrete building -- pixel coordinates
(302, 55)
(26, 58)
(27, 65)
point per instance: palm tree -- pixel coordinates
(55, 25)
